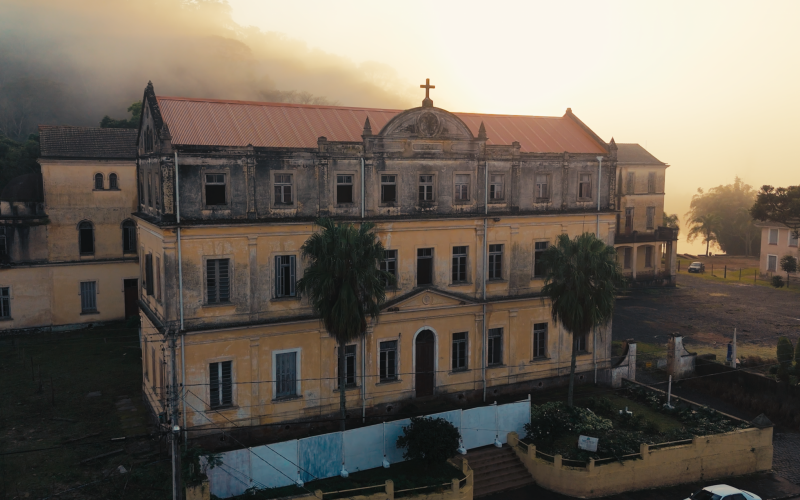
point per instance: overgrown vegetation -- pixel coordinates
(18, 158)
(134, 109)
(432, 440)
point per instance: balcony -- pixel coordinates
(660, 234)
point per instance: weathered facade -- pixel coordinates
(463, 203)
(777, 241)
(646, 251)
(66, 235)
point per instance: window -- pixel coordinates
(86, 238)
(651, 215)
(128, 237)
(148, 273)
(495, 187)
(218, 286)
(158, 278)
(772, 263)
(3, 249)
(648, 256)
(539, 248)
(540, 340)
(388, 188)
(651, 182)
(216, 192)
(585, 186)
(628, 219)
(542, 187)
(284, 276)
(150, 190)
(88, 296)
(388, 360)
(462, 187)
(157, 191)
(344, 189)
(495, 347)
(286, 374)
(349, 366)
(495, 262)
(389, 264)
(112, 181)
(425, 188)
(580, 342)
(98, 181)
(792, 239)
(460, 351)
(773, 236)
(141, 189)
(424, 266)
(153, 365)
(220, 384)
(627, 258)
(631, 186)
(5, 303)
(459, 264)
(283, 189)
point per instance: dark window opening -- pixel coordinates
(389, 264)
(460, 351)
(648, 256)
(349, 367)
(344, 189)
(628, 220)
(112, 181)
(627, 258)
(542, 187)
(495, 347)
(148, 273)
(388, 188)
(221, 384)
(538, 254)
(459, 264)
(215, 189)
(3, 250)
(495, 262)
(5, 302)
(651, 182)
(218, 286)
(284, 276)
(631, 186)
(424, 266)
(283, 189)
(495, 187)
(585, 186)
(86, 238)
(388, 361)
(128, 237)
(98, 181)
(651, 215)
(286, 373)
(462, 187)
(580, 342)
(539, 340)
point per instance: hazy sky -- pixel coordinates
(709, 87)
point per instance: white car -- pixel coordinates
(722, 492)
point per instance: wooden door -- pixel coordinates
(131, 288)
(424, 374)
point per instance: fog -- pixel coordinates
(72, 62)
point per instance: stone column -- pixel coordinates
(252, 247)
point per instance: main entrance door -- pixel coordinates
(131, 288)
(425, 352)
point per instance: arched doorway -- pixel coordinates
(425, 353)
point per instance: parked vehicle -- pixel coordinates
(722, 492)
(697, 267)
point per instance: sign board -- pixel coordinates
(648, 364)
(587, 443)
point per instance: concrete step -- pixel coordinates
(497, 469)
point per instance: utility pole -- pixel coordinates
(175, 429)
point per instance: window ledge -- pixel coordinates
(463, 202)
(7, 318)
(499, 365)
(461, 283)
(215, 304)
(389, 204)
(459, 370)
(496, 280)
(286, 399)
(585, 199)
(346, 205)
(540, 359)
(223, 408)
(84, 313)
(389, 382)
(285, 299)
(542, 200)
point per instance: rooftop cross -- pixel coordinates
(427, 102)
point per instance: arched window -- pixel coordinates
(98, 181)
(112, 181)
(128, 237)
(86, 238)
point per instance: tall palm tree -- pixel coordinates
(706, 226)
(344, 284)
(581, 279)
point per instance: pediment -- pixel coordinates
(427, 123)
(425, 299)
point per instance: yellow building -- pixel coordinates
(646, 250)
(66, 235)
(463, 203)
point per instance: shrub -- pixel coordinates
(785, 351)
(554, 419)
(797, 354)
(777, 282)
(602, 407)
(195, 462)
(651, 427)
(433, 440)
(783, 373)
(630, 422)
(773, 369)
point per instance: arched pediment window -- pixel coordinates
(98, 181)
(112, 181)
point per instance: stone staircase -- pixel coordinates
(496, 469)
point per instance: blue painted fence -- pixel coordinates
(320, 457)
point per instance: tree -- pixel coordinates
(778, 205)
(788, 265)
(134, 109)
(735, 232)
(431, 439)
(671, 221)
(705, 226)
(581, 280)
(344, 284)
(18, 158)
(785, 350)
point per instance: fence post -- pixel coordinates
(725, 276)
(464, 466)
(455, 485)
(557, 461)
(318, 493)
(590, 466)
(644, 450)
(389, 489)
(513, 439)
(531, 451)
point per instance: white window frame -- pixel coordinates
(233, 382)
(293, 262)
(291, 184)
(227, 184)
(493, 183)
(394, 183)
(432, 185)
(777, 233)
(793, 242)
(457, 185)
(537, 187)
(398, 353)
(776, 263)
(354, 198)
(298, 373)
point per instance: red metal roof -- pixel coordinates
(211, 122)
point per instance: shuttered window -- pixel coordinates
(651, 215)
(88, 296)
(158, 278)
(218, 285)
(286, 374)
(3, 250)
(5, 302)
(284, 276)
(221, 384)
(651, 182)
(631, 186)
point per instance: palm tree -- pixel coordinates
(581, 280)
(344, 284)
(705, 226)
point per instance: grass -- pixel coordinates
(717, 274)
(405, 475)
(51, 406)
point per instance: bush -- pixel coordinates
(785, 351)
(602, 407)
(777, 282)
(554, 419)
(433, 440)
(773, 369)
(783, 373)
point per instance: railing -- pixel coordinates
(670, 443)
(546, 457)
(353, 489)
(423, 487)
(604, 461)
(573, 463)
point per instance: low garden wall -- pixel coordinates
(734, 453)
